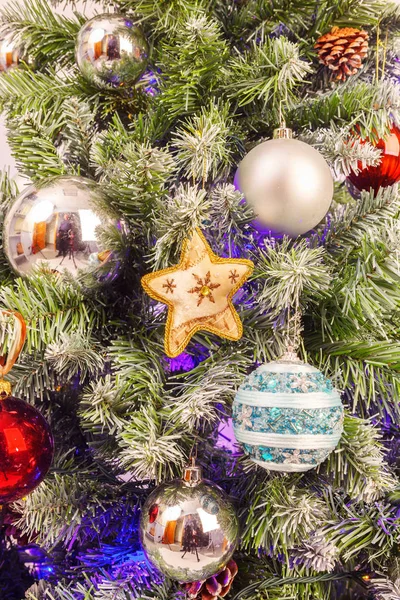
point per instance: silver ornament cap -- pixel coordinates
(283, 133)
(192, 475)
(188, 527)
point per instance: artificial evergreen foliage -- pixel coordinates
(124, 415)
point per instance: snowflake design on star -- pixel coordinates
(204, 288)
(169, 286)
(233, 276)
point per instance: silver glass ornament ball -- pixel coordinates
(288, 184)
(189, 528)
(10, 54)
(61, 225)
(111, 50)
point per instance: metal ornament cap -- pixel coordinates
(283, 133)
(5, 389)
(192, 475)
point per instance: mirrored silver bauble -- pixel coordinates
(288, 183)
(10, 54)
(189, 528)
(112, 50)
(61, 225)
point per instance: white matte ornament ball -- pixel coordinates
(288, 184)
(287, 416)
(112, 50)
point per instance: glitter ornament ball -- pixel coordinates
(387, 172)
(288, 184)
(26, 448)
(195, 531)
(58, 226)
(287, 416)
(111, 50)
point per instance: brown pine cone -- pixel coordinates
(343, 50)
(215, 586)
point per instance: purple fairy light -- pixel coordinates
(183, 363)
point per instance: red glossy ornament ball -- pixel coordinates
(26, 448)
(388, 171)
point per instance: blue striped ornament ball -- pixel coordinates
(287, 416)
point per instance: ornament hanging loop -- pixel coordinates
(282, 132)
(293, 333)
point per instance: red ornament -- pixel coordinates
(388, 171)
(26, 448)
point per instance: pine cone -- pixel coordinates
(215, 586)
(343, 50)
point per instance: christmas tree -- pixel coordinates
(155, 277)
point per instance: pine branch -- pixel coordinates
(371, 215)
(205, 144)
(368, 108)
(196, 402)
(291, 272)
(177, 216)
(344, 153)
(104, 408)
(281, 515)
(165, 18)
(77, 134)
(50, 306)
(136, 173)
(191, 63)
(373, 529)
(139, 368)
(384, 589)
(73, 355)
(58, 509)
(317, 554)
(232, 215)
(269, 74)
(357, 464)
(150, 449)
(22, 91)
(367, 389)
(32, 141)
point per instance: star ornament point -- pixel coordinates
(198, 292)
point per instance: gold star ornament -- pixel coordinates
(198, 293)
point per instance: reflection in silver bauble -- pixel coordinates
(61, 225)
(288, 184)
(189, 531)
(10, 54)
(112, 50)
